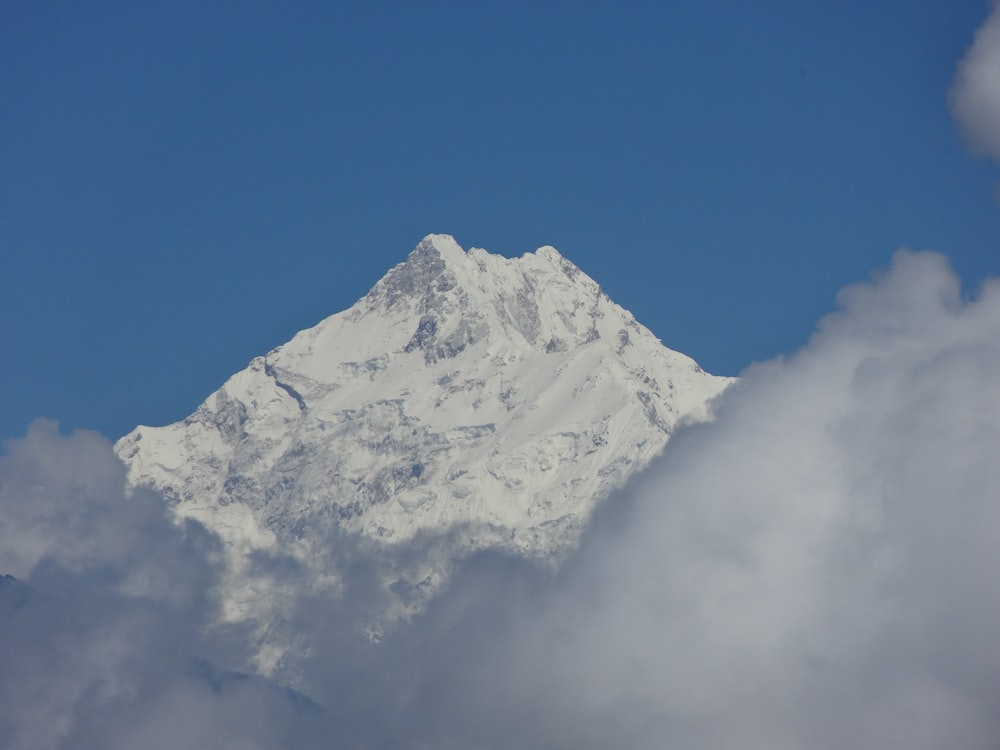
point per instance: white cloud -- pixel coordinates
(104, 623)
(815, 569)
(975, 94)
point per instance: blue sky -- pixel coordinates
(183, 187)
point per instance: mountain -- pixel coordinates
(467, 402)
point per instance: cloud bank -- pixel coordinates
(975, 93)
(814, 569)
(104, 608)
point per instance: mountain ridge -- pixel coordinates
(466, 402)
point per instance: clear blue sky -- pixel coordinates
(184, 185)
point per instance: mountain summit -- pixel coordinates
(467, 402)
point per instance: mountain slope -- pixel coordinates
(468, 401)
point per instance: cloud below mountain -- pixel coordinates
(103, 610)
(814, 569)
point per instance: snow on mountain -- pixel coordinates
(467, 402)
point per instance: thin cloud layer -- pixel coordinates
(975, 94)
(815, 569)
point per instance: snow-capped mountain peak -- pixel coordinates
(468, 401)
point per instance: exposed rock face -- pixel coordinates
(467, 402)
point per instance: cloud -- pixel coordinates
(975, 93)
(814, 569)
(104, 610)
